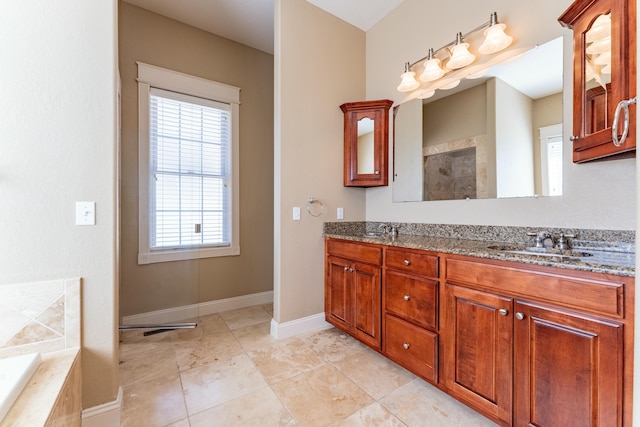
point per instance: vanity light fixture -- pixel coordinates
(456, 55)
(409, 81)
(460, 55)
(451, 85)
(432, 69)
(495, 37)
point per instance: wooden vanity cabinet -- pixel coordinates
(604, 74)
(537, 346)
(352, 289)
(366, 143)
(411, 310)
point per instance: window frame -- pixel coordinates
(152, 76)
(547, 133)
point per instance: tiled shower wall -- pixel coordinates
(39, 317)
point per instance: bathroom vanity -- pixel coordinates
(523, 339)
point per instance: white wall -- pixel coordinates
(57, 145)
(598, 195)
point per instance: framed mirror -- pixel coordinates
(492, 137)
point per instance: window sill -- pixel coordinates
(186, 254)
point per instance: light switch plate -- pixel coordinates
(85, 213)
(340, 213)
(296, 213)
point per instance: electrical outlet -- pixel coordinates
(340, 213)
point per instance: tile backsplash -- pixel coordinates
(39, 316)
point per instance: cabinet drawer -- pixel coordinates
(354, 251)
(412, 262)
(412, 347)
(584, 291)
(412, 298)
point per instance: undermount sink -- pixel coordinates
(549, 252)
(373, 235)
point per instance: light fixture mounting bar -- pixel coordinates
(491, 21)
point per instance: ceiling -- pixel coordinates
(250, 22)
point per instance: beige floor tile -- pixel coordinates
(256, 336)
(158, 402)
(208, 349)
(321, 396)
(140, 366)
(260, 408)
(268, 308)
(419, 403)
(219, 382)
(332, 344)
(372, 415)
(374, 373)
(280, 362)
(182, 423)
(242, 317)
(211, 324)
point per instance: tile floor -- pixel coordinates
(230, 372)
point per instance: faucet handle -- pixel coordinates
(563, 242)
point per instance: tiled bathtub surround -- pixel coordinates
(623, 240)
(39, 317)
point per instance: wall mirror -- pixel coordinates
(492, 137)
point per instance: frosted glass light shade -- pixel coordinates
(460, 56)
(600, 29)
(603, 59)
(603, 45)
(432, 70)
(478, 74)
(408, 82)
(495, 40)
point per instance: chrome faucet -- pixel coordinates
(541, 237)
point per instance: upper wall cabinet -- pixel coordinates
(604, 77)
(366, 143)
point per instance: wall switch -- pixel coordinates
(340, 213)
(296, 213)
(85, 213)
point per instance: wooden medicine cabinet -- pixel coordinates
(366, 143)
(604, 77)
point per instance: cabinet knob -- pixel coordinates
(377, 172)
(407, 262)
(346, 268)
(350, 269)
(407, 297)
(405, 346)
(574, 138)
(519, 316)
(503, 312)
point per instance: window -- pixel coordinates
(551, 160)
(188, 152)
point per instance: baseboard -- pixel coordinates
(178, 314)
(292, 328)
(105, 415)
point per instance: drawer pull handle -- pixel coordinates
(405, 346)
(503, 312)
(519, 316)
(407, 262)
(407, 297)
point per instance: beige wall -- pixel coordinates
(58, 144)
(319, 62)
(596, 195)
(156, 40)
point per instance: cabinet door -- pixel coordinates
(337, 298)
(478, 350)
(604, 51)
(366, 301)
(568, 369)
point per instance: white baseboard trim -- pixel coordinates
(178, 314)
(105, 415)
(292, 328)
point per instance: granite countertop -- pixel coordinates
(602, 259)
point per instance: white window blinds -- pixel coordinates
(554, 165)
(190, 168)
